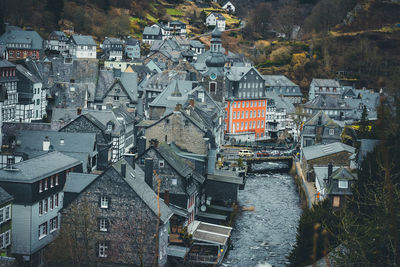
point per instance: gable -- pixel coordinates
(84, 125)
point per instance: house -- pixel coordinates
(339, 185)
(182, 41)
(197, 47)
(279, 116)
(119, 89)
(228, 6)
(32, 101)
(152, 33)
(124, 217)
(180, 128)
(337, 153)
(177, 27)
(36, 186)
(180, 184)
(22, 43)
(324, 87)
(9, 80)
(57, 41)
(132, 48)
(112, 48)
(284, 87)
(222, 187)
(320, 129)
(245, 104)
(81, 146)
(357, 99)
(335, 107)
(6, 201)
(82, 46)
(217, 20)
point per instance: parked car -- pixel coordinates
(246, 153)
(262, 153)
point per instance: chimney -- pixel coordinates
(154, 142)
(130, 158)
(123, 170)
(46, 143)
(141, 144)
(330, 171)
(78, 111)
(191, 102)
(166, 197)
(148, 172)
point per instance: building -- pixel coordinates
(197, 47)
(132, 48)
(324, 87)
(22, 43)
(280, 116)
(337, 153)
(245, 104)
(9, 80)
(152, 33)
(216, 19)
(284, 87)
(320, 129)
(228, 6)
(36, 186)
(177, 27)
(81, 146)
(335, 107)
(5, 222)
(57, 41)
(82, 46)
(123, 217)
(112, 48)
(32, 101)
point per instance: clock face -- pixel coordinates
(213, 76)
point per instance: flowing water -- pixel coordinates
(265, 236)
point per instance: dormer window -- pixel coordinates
(109, 127)
(46, 182)
(40, 186)
(161, 163)
(331, 131)
(343, 184)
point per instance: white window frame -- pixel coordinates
(103, 225)
(331, 131)
(344, 184)
(103, 250)
(161, 163)
(41, 232)
(104, 202)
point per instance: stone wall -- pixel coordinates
(132, 225)
(338, 159)
(177, 128)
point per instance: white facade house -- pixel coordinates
(8, 80)
(228, 6)
(57, 41)
(82, 46)
(112, 48)
(216, 19)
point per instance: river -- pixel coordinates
(265, 236)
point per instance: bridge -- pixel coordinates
(257, 160)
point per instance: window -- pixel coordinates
(103, 225)
(53, 224)
(251, 113)
(234, 115)
(45, 205)
(238, 115)
(213, 87)
(7, 212)
(116, 97)
(46, 181)
(40, 186)
(174, 181)
(51, 181)
(51, 202)
(247, 114)
(42, 230)
(336, 202)
(56, 200)
(331, 131)
(103, 249)
(56, 179)
(161, 163)
(242, 114)
(104, 202)
(343, 184)
(40, 208)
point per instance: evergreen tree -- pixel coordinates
(55, 7)
(363, 130)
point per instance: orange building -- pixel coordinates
(245, 104)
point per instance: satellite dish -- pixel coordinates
(203, 208)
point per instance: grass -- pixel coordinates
(151, 18)
(174, 12)
(230, 19)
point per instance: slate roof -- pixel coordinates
(143, 190)
(280, 103)
(325, 83)
(33, 170)
(6, 64)
(32, 141)
(325, 120)
(327, 102)
(318, 151)
(4, 196)
(16, 35)
(280, 84)
(58, 35)
(76, 182)
(112, 40)
(29, 75)
(152, 30)
(131, 41)
(83, 40)
(196, 44)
